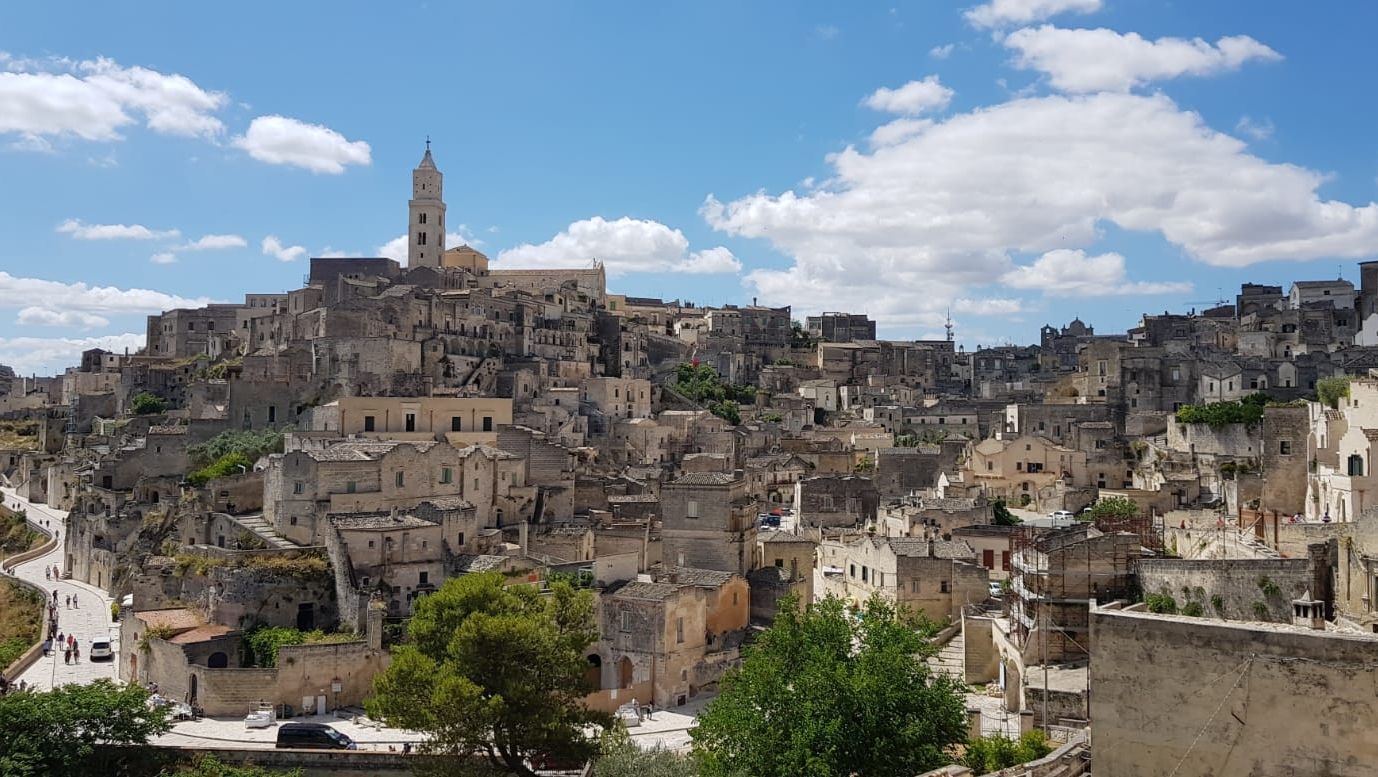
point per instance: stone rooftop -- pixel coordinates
(201, 634)
(775, 535)
(179, 618)
(376, 521)
(168, 429)
(704, 479)
(910, 546)
(651, 591)
(632, 498)
(472, 563)
(703, 578)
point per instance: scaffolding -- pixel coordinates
(1055, 575)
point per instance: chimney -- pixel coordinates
(394, 512)
(1308, 613)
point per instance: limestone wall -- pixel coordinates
(1239, 584)
(1228, 699)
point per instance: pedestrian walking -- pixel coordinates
(55, 596)
(68, 600)
(67, 655)
(74, 600)
(76, 653)
(47, 573)
(62, 637)
(72, 640)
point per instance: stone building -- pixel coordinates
(1270, 709)
(936, 577)
(662, 642)
(784, 565)
(708, 521)
(461, 420)
(835, 500)
(841, 327)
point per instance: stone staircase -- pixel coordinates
(261, 529)
(951, 659)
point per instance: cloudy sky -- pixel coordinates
(1017, 162)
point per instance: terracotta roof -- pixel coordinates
(179, 618)
(201, 634)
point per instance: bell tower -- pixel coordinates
(426, 214)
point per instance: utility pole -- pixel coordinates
(1046, 621)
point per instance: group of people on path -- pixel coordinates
(57, 639)
(7, 687)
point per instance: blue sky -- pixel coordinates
(1016, 161)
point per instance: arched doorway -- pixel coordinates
(134, 667)
(594, 674)
(217, 660)
(624, 672)
(191, 688)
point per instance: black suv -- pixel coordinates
(315, 736)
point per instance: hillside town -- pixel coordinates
(1078, 515)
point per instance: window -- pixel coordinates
(368, 423)
(446, 474)
(456, 424)
(421, 219)
(943, 587)
(691, 509)
(411, 422)
(913, 586)
(864, 572)
(780, 563)
(399, 478)
(1285, 447)
(851, 570)
(488, 423)
(272, 414)
(370, 543)
(679, 629)
(461, 538)
(988, 558)
(191, 326)
(298, 487)
(423, 578)
(1019, 466)
(1356, 466)
(350, 486)
(626, 624)
(1004, 559)
(420, 238)
(1100, 444)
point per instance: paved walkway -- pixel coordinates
(91, 618)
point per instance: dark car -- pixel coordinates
(313, 736)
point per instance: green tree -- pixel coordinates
(226, 465)
(993, 753)
(1114, 507)
(147, 403)
(248, 443)
(57, 732)
(496, 670)
(1001, 514)
(619, 756)
(208, 765)
(1331, 390)
(825, 693)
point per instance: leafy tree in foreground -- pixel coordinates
(993, 753)
(496, 670)
(823, 693)
(210, 766)
(619, 756)
(57, 732)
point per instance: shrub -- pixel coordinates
(147, 403)
(1268, 587)
(226, 465)
(250, 443)
(1161, 603)
(1261, 611)
(1217, 603)
(1194, 609)
(993, 753)
(1329, 391)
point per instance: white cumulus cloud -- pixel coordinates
(163, 257)
(279, 140)
(943, 211)
(623, 245)
(274, 248)
(40, 316)
(1065, 272)
(1004, 13)
(215, 242)
(95, 99)
(82, 231)
(913, 98)
(1105, 60)
(942, 52)
(49, 355)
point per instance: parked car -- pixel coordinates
(996, 590)
(100, 649)
(313, 736)
(1061, 515)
